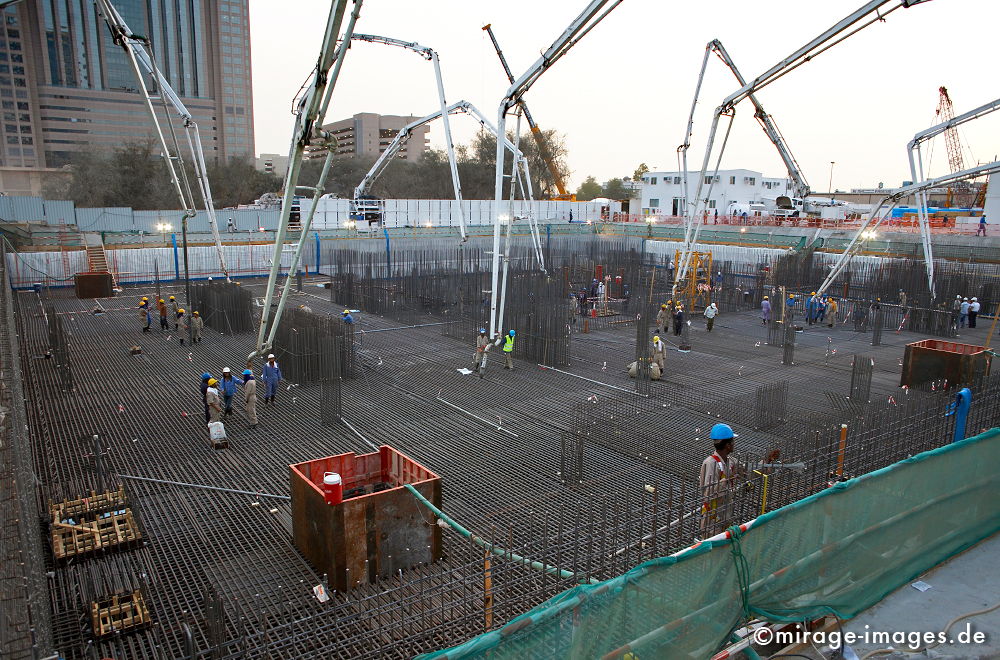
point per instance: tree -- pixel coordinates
(588, 190)
(615, 189)
(135, 175)
(639, 171)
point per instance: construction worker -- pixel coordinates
(205, 377)
(346, 317)
(197, 325)
(902, 298)
(508, 351)
(812, 308)
(271, 375)
(480, 355)
(765, 310)
(145, 314)
(831, 312)
(250, 397)
(174, 307)
(973, 312)
(227, 387)
(161, 307)
(790, 308)
(956, 307)
(659, 352)
(213, 402)
(661, 319)
(305, 308)
(717, 480)
(678, 320)
(180, 321)
(710, 313)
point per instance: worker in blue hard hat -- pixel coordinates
(719, 477)
(508, 350)
(250, 397)
(479, 357)
(205, 377)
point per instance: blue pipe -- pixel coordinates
(177, 262)
(316, 234)
(960, 409)
(388, 267)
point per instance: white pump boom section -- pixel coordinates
(432, 56)
(308, 139)
(875, 218)
(406, 133)
(593, 14)
(868, 13)
(800, 185)
(142, 61)
(917, 174)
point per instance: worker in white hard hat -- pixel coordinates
(659, 352)
(227, 387)
(973, 312)
(271, 375)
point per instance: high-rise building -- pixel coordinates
(65, 86)
(368, 134)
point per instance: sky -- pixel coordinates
(622, 95)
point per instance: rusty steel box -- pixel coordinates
(378, 529)
(938, 360)
(93, 285)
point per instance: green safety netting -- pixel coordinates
(839, 551)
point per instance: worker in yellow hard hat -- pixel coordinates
(661, 318)
(347, 318)
(765, 310)
(213, 401)
(174, 307)
(659, 352)
(197, 325)
(161, 306)
(145, 314)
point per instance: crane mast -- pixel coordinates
(536, 132)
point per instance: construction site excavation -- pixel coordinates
(525, 425)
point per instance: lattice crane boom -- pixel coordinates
(945, 113)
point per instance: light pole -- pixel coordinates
(829, 186)
(164, 227)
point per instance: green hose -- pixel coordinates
(500, 552)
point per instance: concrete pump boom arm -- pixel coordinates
(875, 218)
(432, 56)
(133, 46)
(829, 38)
(385, 158)
(593, 13)
(543, 147)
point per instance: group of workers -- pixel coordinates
(670, 311)
(965, 311)
(180, 320)
(819, 309)
(483, 345)
(217, 394)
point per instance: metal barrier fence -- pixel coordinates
(25, 617)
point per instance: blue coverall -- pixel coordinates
(271, 375)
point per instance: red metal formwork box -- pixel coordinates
(938, 360)
(378, 529)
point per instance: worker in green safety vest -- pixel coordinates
(508, 351)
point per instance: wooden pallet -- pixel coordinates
(119, 613)
(93, 532)
(95, 502)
